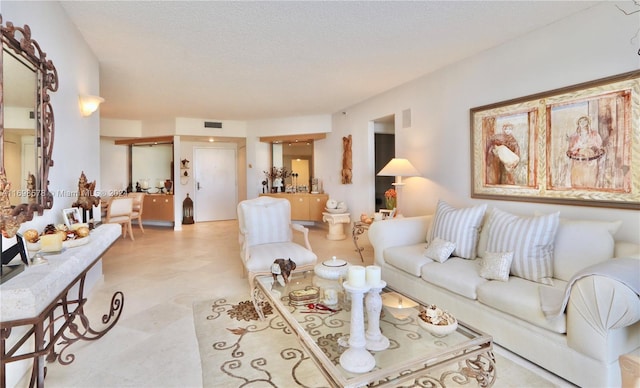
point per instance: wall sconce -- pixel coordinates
(399, 167)
(89, 104)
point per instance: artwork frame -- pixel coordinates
(72, 216)
(577, 145)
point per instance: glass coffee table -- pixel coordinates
(414, 357)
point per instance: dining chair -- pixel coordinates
(138, 202)
(119, 212)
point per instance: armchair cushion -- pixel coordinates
(262, 256)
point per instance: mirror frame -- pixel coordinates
(19, 40)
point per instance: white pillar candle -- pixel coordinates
(51, 242)
(373, 275)
(356, 276)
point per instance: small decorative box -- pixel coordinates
(301, 297)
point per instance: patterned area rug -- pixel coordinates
(239, 350)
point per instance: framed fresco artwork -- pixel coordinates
(579, 145)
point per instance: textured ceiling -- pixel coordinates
(255, 60)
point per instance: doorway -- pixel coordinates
(384, 151)
(215, 172)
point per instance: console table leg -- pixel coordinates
(84, 331)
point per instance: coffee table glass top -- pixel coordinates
(412, 352)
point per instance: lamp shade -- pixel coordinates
(89, 104)
(399, 167)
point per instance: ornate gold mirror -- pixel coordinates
(26, 121)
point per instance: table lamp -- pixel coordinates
(398, 167)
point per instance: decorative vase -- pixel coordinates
(390, 203)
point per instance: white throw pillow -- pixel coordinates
(580, 244)
(496, 266)
(460, 226)
(531, 241)
(439, 250)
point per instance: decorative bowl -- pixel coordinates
(397, 305)
(336, 210)
(436, 321)
(332, 269)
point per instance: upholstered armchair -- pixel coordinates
(266, 234)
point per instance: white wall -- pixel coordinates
(114, 167)
(593, 44)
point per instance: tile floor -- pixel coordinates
(161, 274)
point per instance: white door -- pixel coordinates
(216, 187)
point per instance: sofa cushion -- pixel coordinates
(580, 244)
(496, 265)
(439, 249)
(460, 226)
(520, 298)
(529, 238)
(457, 275)
(409, 258)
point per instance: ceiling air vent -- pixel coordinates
(212, 124)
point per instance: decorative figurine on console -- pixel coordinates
(10, 220)
(86, 199)
(282, 267)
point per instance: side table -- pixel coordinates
(359, 227)
(336, 221)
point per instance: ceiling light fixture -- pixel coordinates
(89, 104)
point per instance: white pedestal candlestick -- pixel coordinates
(373, 303)
(357, 359)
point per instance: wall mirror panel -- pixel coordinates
(296, 154)
(150, 163)
(20, 154)
(26, 121)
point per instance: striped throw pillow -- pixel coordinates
(459, 226)
(529, 238)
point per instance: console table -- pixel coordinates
(45, 304)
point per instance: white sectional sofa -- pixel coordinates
(582, 341)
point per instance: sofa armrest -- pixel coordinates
(626, 249)
(397, 232)
(605, 311)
